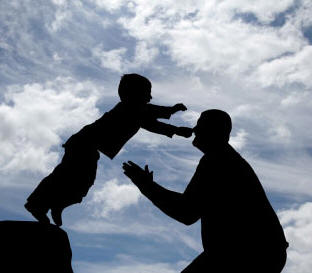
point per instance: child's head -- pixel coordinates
(135, 89)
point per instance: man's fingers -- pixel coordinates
(132, 164)
(125, 166)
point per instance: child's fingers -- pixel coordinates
(184, 107)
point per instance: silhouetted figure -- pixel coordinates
(240, 230)
(71, 179)
(32, 247)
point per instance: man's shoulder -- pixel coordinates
(226, 156)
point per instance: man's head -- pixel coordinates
(212, 130)
(135, 89)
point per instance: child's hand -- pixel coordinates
(178, 107)
(184, 131)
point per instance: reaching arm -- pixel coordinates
(153, 112)
(179, 206)
(157, 111)
(168, 130)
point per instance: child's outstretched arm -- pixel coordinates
(166, 129)
(157, 111)
(154, 112)
(178, 107)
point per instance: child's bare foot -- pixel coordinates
(39, 213)
(56, 214)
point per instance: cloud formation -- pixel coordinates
(34, 117)
(112, 197)
(297, 223)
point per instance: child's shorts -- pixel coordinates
(70, 181)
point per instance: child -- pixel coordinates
(71, 179)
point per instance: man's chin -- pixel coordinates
(196, 144)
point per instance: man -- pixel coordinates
(240, 230)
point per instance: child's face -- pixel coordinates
(146, 97)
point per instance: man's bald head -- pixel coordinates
(213, 127)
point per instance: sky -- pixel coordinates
(60, 65)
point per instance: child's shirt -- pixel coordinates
(109, 133)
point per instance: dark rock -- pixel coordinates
(34, 247)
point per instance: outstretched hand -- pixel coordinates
(184, 131)
(179, 107)
(138, 176)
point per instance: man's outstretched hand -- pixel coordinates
(184, 131)
(138, 176)
(178, 107)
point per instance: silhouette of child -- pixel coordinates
(70, 181)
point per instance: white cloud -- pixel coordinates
(265, 11)
(109, 5)
(286, 70)
(56, 57)
(295, 98)
(61, 16)
(290, 174)
(297, 223)
(144, 54)
(59, 2)
(206, 37)
(35, 116)
(239, 140)
(149, 140)
(117, 61)
(112, 197)
(111, 59)
(302, 16)
(190, 117)
(281, 133)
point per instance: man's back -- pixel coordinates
(234, 208)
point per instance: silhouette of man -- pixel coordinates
(240, 230)
(71, 179)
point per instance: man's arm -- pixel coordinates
(182, 207)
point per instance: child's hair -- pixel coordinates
(133, 86)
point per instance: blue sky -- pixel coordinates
(61, 62)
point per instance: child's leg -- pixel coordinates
(80, 175)
(38, 203)
(47, 193)
(66, 185)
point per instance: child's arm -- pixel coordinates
(168, 130)
(156, 111)
(153, 112)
